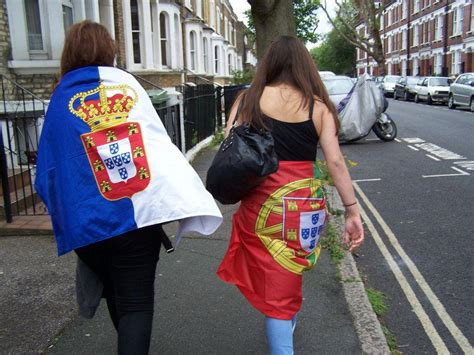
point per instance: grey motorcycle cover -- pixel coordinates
(365, 103)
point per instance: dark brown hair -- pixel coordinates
(87, 43)
(287, 61)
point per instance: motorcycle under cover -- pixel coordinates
(364, 105)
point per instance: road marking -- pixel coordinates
(364, 180)
(439, 152)
(413, 140)
(432, 157)
(398, 140)
(372, 139)
(468, 165)
(411, 147)
(461, 173)
(419, 279)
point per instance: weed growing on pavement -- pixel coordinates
(377, 300)
(218, 137)
(332, 244)
(391, 340)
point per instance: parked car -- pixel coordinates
(338, 87)
(433, 89)
(406, 88)
(326, 74)
(461, 92)
(388, 84)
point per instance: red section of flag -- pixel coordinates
(254, 266)
(130, 131)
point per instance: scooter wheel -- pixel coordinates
(385, 131)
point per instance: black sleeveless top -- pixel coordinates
(294, 141)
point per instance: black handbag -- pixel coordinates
(245, 158)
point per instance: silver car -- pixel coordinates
(338, 87)
(461, 92)
(388, 84)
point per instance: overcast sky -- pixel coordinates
(324, 26)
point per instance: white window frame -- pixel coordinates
(216, 53)
(389, 18)
(415, 66)
(165, 39)
(404, 39)
(42, 28)
(472, 18)
(205, 54)
(405, 9)
(416, 6)
(140, 33)
(193, 50)
(416, 37)
(389, 44)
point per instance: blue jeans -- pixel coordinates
(280, 335)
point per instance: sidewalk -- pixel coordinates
(195, 312)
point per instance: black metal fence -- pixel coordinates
(199, 113)
(21, 114)
(171, 118)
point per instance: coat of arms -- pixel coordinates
(114, 146)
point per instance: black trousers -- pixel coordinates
(126, 265)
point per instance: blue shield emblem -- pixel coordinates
(109, 163)
(305, 233)
(126, 158)
(117, 160)
(114, 148)
(123, 173)
(315, 218)
(314, 232)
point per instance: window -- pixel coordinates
(416, 35)
(404, 39)
(68, 18)
(389, 45)
(381, 22)
(405, 8)
(213, 14)
(216, 60)
(154, 39)
(218, 20)
(192, 50)
(33, 24)
(231, 67)
(415, 66)
(456, 62)
(438, 64)
(135, 31)
(457, 20)
(164, 40)
(205, 53)
(472, 17)
(389, 19)
(416, 7)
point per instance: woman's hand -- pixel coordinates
(353, 230)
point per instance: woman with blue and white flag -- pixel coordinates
(110, 176)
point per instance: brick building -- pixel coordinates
(168, 42)
(424, 37)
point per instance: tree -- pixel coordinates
(351, 13)
(273, 18)
(335, 54)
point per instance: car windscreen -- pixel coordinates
(338, 86)
(391, 79)
(439, 82)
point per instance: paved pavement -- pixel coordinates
(426, 207)
(195, 312)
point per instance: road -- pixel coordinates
(417, 197)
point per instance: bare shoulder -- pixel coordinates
(320, 108)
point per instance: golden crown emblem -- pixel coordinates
(104, 106)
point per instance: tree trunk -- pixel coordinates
(272, 18)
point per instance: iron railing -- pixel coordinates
(199, 113)
(171, 118)
(21, 117)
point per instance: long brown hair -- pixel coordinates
(87, 43)
(287, 61)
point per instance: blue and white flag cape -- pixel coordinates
(106, 165)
